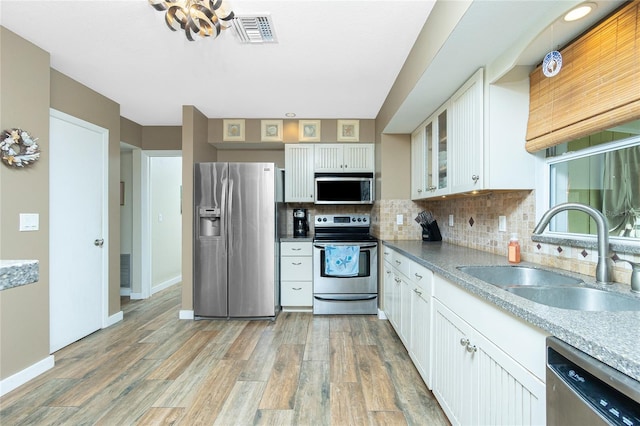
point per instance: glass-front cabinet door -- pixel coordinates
(437, 150)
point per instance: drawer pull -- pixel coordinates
(471, 348)
(296, 248)
(397, 280)
(296, 263)
(296, 288)
(418, 292)
(418, 276)
(464, 341)
(398, 262)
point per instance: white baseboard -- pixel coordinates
(186, 314)
(166, 284)
(136, 296)
(381, 314)
(125, 291)
(113, 319)
(22, 377)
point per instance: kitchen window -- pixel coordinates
(603, 171)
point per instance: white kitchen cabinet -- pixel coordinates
(466, 159)
(408, 288)
(430, 146)
(296, 275)
(298, 176)
(344, 158)
(418, 166)
(483, 148)
(475, 379)
(421, 307)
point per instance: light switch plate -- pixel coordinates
(450, 220)
(502, 223)
(29, 222)
(399, 219)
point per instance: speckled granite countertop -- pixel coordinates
(14, 273)
(292, 239)
(611, 337)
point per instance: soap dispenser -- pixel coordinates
(635, 274)
(514, 249)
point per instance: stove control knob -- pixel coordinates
(353, 219)
(324, 219)
(364, 219)
(359, 220)
(319, 219)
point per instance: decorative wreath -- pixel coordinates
(18, 148)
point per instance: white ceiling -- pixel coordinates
(333, 59)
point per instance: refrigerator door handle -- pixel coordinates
(227, 191)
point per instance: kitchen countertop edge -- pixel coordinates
(596, 333)
(16, 273)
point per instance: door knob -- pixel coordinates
(98, 242)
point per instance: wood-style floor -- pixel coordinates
(153, 368)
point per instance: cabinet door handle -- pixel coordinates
(296, 263)
(475, 178)
(418, 292)
(398, 262)
(418, 276)
(471, 348)
(432, 188)
(419, 191)
(397, 280)
(464, 341)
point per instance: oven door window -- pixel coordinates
(364, 265)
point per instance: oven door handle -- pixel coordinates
(345, 298)
(362, 246)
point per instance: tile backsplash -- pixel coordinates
(475, 225)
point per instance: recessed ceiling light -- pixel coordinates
(290, 114)
(579, 12)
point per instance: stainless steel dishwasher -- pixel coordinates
(584, 391)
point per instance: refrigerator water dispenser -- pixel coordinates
(209, 221)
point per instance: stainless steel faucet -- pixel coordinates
(603, 268)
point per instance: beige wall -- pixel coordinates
(328, 130)
(130, 132)
(252, 156)
(24, 311)
(73, 98)
(162, 137)
(194, 149)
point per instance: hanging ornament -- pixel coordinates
(552, 63)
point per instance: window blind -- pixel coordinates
(598, 86)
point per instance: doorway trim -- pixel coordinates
(142, 216)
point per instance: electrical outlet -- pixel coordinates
(450, 220)
(399, 219)
(502, 223)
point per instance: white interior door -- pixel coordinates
(77, 226)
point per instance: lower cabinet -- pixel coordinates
(488, 373)
(296, 276)
(476, 378)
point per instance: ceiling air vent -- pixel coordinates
(255, 28)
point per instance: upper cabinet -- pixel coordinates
(467, 135)
(303, 160)
(298, 176)
(344, 158)
(461, 149)
(430, 146)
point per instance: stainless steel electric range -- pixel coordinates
(336, 291)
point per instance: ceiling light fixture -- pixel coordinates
(579, 12)
(205, 18)
(290, 114)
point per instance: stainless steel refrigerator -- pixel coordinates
(236, 231)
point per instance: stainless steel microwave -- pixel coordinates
(344, 188)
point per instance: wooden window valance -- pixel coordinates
(598, 86)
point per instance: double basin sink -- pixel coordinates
(551, 288)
